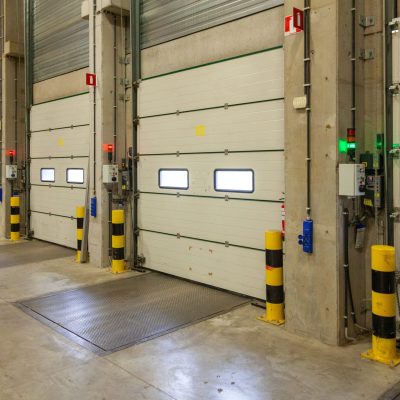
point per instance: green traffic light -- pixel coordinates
(342, 146)
(351, 146)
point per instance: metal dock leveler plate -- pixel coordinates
(111, 316)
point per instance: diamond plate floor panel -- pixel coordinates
(114, 315)
(25, 252)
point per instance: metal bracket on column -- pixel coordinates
(124, 97)
(124, 60)
(367, 54)
(366, 21)
(124, 82)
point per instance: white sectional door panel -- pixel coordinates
(59, 159)
(225, 116)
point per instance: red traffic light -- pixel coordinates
(351, 135)
(11, 153)
(108, 147)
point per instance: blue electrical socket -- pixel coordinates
(93, 207)
(307, 238)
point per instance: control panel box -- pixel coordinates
(11, 172)
(110, 173)
(374, 193)
(351, 180)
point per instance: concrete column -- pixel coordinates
(104, 99)
(312, 281)
(13, 103)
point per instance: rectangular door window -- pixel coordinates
(47, 175)
(75, 175)
(234, 180)
(173, 179)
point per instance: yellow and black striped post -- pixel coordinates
(118, 242)
(80, 216)
(275, 313)
(15, 219)
(383, 306)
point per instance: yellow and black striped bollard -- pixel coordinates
(275, 313)
(15, 219)
(80, 216)
(118, 242)
(383, 306)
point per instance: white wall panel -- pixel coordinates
(61, 143)
(211, 219)
(55, 200)
(241, 80)
(230, 268)
(247, 127)
(268, 173)
(54, 229)
(61, 113)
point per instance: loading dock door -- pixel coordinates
(59, 161)
(211, 170)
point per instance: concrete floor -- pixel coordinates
(231, 357)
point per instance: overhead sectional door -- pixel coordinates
(211, 170)
(59, 163)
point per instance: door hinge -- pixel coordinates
(395, 153)
(139, 264)
(394, 25)
(394, 89)
(395, 215)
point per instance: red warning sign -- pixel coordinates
(91, 79)
(294, 23)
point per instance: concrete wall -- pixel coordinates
(60, 86)
(257, 32)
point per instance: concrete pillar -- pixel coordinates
(104, 23)
(13, 103)
(312, 281)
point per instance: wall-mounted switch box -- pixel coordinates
(11, 172)
(110, 173)
(352, 180)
